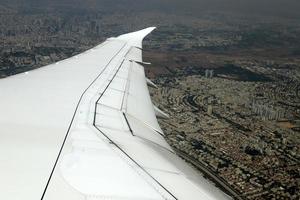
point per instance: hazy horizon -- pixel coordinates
(278, 8)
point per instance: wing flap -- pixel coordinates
(141, 130)
(135, 54)
(139, 104)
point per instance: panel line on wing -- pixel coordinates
(98, 128)
(141, 167)
(73, 117)
(128, 124)
(113, 108)
(126, 93)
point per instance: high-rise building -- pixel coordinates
(209, 109)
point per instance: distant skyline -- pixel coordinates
(280, 8)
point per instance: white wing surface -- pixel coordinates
(85, 128)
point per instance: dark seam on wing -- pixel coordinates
(64, 141)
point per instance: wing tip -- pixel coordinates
(136, 37)
(138, 34)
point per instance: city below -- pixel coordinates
(230, 83)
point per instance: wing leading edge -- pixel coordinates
(85, 128)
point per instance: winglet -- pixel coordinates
(136, 38)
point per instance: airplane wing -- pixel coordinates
(85, 128)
